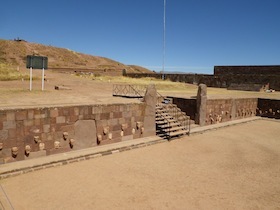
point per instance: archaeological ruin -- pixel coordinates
(28, 133)
(249, 78)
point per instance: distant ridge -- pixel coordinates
(14, 52)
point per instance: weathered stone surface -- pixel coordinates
(4, 135)
(201, 105)
(85, 134)
(150, 99)
(37, 154)
(60, 119)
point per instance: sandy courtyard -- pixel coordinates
(236, 167)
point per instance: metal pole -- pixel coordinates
(164, 38)
(43, 75)
(30, 82)
(43, 78)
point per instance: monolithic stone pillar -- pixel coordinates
(201, 100)
(85, 134)
(150, 99)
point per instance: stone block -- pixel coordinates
(127, 114)
(85, 134)
(9, 125)
(4, 135)
(54, 112)
(113, 122)
(117, 114)
(37, 122)
(96, 110)
(73, 118)
(37, 154)
(201, 104)
(84, 110)
(11, 116)
(3, 116)
(57, 151)
(127, 138)
(46, 128)
(30, 114)
(105, 116)
(28, 122)
(60, 119)
(21, 115)
(12, 133)
(150, 100)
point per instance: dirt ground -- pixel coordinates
(231, 168)
(88, 91)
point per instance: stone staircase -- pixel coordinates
(171, 122)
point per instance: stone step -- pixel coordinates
(173, 129)
(166, 125)
(178, 133)
(166, 121)
(164, 118)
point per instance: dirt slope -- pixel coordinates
(14, 53)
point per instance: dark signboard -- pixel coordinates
(36, 62)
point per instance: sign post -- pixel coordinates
(30, 81)
(43, 76)
(37, 62)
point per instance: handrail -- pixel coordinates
(168, 126)
(160, 98)
(128, 90)
(137, 92)
(184, 120)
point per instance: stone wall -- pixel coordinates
(220, 81)
(186, 105)
(222, 110)
(256, 70)
(30, 133)
(268, 108)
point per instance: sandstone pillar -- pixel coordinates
(150, 99)
(201, 105)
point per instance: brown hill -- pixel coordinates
(14, 53)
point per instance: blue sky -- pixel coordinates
(199, 33)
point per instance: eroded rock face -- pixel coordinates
(201, 104)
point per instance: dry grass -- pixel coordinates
(7, 73)
(161, 85)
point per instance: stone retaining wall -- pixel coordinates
(268, 108)
(222, 110)
(186, 105)
(219, 81)
(35, 132)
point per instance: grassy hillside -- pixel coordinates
(13, 54)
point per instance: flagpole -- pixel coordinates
(164, 37)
